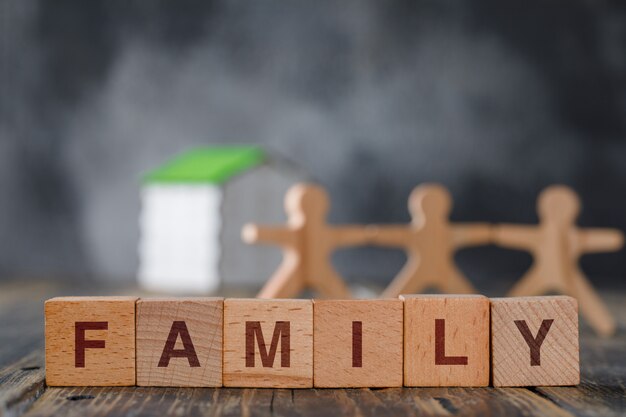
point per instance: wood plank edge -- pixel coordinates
(16, 401)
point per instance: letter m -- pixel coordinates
(281, 331)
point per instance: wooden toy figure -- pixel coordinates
(430, 241)
(556, 244)
(308, 242)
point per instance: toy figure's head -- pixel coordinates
(558, 203)
(430, 201)
(307, 198)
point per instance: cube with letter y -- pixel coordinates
(90, 341)
(534, 341)
(268, 343)
(357, 343)
(179, 342)
(446, 340)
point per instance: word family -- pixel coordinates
(414, 341)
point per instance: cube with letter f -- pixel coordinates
(90, 341)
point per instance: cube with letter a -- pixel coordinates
(534, 341)
(268, 343)
(179, 342)
(90, 341)
(357, 343)
(446, 340)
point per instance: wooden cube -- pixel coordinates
(268, 343)
(179, 342)
(534, 341)
(446, 340)
(357, 343)
(90, 341)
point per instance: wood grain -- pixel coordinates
(602, 390)
(195, 326)
(446, 340)
(357, 343)
(142, 401)
(553, 357)
(111, 365)
(288, 364)
(21, 383)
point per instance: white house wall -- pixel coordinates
(179, 248)
(254, 197)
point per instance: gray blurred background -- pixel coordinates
(494, 99)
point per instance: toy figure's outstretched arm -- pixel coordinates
(252, 233)
(515, 236)
(600, 240)
(471, 234)
(392, 235)
(352, 235)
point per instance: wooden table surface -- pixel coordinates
(602, 391)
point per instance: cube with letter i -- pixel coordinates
(268, 343)
(179, 342)
(534, 341)
(446, 340)
(90, 341)
(357, 343)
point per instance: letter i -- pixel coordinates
(357, 344)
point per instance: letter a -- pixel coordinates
(188, 351)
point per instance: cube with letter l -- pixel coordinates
(446, 340)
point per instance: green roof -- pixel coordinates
(214, 165)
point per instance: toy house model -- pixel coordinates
(193, 210)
